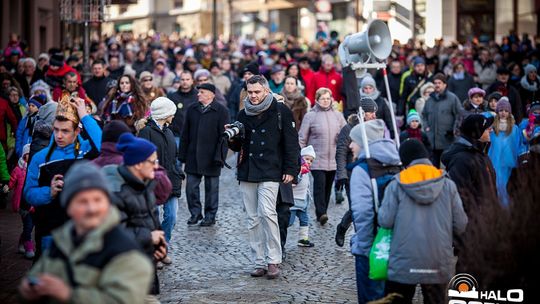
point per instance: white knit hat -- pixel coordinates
(308, 151)
(162, 107)
(26, 149)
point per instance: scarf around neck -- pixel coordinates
(254, 110)
(374, 95)
(527, 85)
(291, 98)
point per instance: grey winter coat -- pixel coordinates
(422, 206)
(441, 117)
(320, 128)
(384, 151)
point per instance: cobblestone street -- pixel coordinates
(212, 265)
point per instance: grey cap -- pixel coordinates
(374, 131)
(82, 176)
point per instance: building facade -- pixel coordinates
(36, 22)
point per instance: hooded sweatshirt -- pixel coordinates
(384, 151)
(423, 207)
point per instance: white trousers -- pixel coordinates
(260, 204)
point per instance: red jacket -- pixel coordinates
(307, 76)
(6, 115)
(331, 80)
(56, 78)
(57, 93)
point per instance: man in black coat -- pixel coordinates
(471, 169)
(268, 155)
(203, 151)
(502, 86)
(96, 87)
(157, 132)
(185, 96)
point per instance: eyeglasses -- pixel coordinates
(154, 162)
(147, 79)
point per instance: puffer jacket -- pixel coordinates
(107, 265)
(363, 213)
(422, 198)
(137, 205)
(441, 117)
(320, 128)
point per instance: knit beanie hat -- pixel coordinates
(439, 76)
(374, 131)
(308, 151)
(411, 150)
(413, 115)
(57, 60)
(82, 176)
(368, 80)
(136, 150)
(495, 95)
(201, 73)
(474, 91)
(368, 105)
(535, 105)
(38, 100)
(25, 149)
(529, 68)
(113, 130)
(252, 67)
(162, 107)
(419, 60)
(474, 125)
(504, 104)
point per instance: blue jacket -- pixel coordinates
(22, 136)
(384, 151)
(504, 152)
(36, 195)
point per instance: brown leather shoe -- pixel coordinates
(323, 219)
(273, 271)
(258, 272)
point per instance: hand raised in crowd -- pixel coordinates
(47, 286)
(57, 184)
(80, 106)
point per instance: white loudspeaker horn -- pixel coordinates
(374, 44)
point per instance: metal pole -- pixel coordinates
(86, 63)
(390, 106)
(361, 114)
(214, 29)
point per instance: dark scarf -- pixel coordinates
(16, 110)
(415, 133)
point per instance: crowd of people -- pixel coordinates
(97, 166)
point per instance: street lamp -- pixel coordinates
(84, 12)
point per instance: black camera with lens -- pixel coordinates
(235, 129)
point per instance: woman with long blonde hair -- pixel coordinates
(507, 144)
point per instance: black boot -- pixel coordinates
(340, 235)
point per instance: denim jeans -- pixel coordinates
(46, 242)
(367, 289)
(170, 210)
(302, 216)
(28, 226)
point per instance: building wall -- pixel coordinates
(37, 22)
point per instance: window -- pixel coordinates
(178, 3)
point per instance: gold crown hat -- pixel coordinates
(66, 109)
